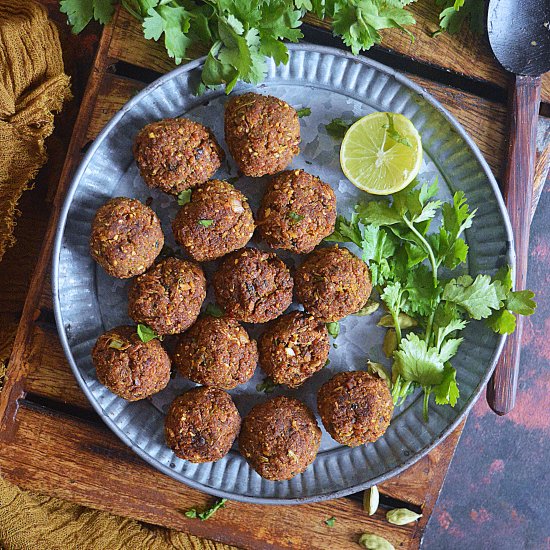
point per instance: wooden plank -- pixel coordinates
(466, 53)
(42, 457)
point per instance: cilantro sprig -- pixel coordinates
(426, 309)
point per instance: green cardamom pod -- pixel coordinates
(390, 342)
(405, 321)
(368, 309)
(402, 516)
(374, 542)
(371, 498)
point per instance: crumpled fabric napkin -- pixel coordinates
(33, 86)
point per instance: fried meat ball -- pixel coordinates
(262, 133)
(280, 438)
(294, 348)
(130, 368)
(355, 407)
(126, 237)
(202, 424)
(216, 221)
(298, 211)
(169, 296)
(333, 283)
(216, 352)
(253, 286)
(175, 154)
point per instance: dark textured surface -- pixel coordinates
(497, 492)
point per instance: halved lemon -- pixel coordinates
(381, 153)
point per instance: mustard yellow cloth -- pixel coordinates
(33, 86)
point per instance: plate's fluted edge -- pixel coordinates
(57, 248)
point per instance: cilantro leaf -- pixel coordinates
(295, 217)
(455, 13)
(393, 133)
(502, 322)
(478, 297)
(358, 23)
(333, 329)
(338, 127)
(378, 213)
(377, 247)
(209, 512)
(81, 12)
(521, 301)
(446, 392)
(267, 386)
(345, 232)
(306, 111)
(330, 521)
(206, 223)
(184, 197)
(214, 310)
(504, 275)
(416, 362)
(153, 25)
(422, 296)
(146, 333)
(449, 348)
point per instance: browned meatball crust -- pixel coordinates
(333, 283)
(202, 424)
(216, 352)
(280, 438)
(130, 368)
(355, 407)
(216, 221)
(253, 286)
(169, 296)
(126, 237)
(176, 153)
(294, 348)
(262, 133)
(298, 211)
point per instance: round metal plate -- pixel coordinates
(334, 85)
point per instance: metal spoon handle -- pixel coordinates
(518, 192)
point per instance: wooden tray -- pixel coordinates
(52, 442)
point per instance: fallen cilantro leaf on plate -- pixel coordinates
(306, 111)
(267, 386)
(333, 329)
(338, 127)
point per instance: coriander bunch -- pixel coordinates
(406, 257)
(238, 35)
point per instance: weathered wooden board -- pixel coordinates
(82, 447)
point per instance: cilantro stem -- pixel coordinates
(427, 248)
(396, 390)
(427, 391)
(395, 317)
(429, 327)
